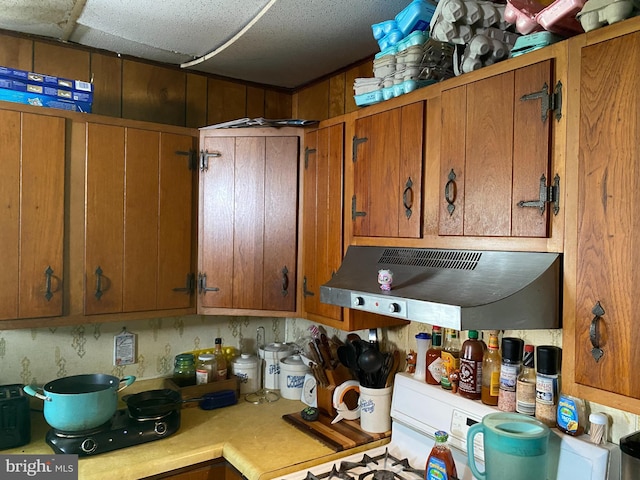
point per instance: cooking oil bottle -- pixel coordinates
(450, 357)
(440, 464)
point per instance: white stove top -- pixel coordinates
(418, 410)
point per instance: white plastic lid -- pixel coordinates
(598, 418)
(206, 357)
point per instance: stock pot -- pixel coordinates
(80, 402)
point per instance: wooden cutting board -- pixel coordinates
(340, 436)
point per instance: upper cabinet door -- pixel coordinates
(495, 153)
(32, 154)
(322, 215)
(139, 186)
(608, 233)
(104, 218)
(176, 226)
(388, 165)
(247, 253)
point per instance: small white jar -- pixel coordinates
(246, 368)
(292, 372)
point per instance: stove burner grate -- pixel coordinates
(380, 467)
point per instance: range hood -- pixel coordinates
(461, 289)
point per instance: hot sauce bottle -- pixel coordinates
(440, 464)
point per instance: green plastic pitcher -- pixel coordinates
(515, 447)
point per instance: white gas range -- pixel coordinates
(419, 410)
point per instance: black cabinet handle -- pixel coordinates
(48, 274)
(99, 291)
(594, 331)
(407, 198)
(450, 192)
(285, 281)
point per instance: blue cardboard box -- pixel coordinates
(41, 100)
(48, 80)
(45, 89)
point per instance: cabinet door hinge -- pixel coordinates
(190, 284)
(548, 194)
(308, 151)
(354, 212)
(549, 101)
(357, 141)
(192, 161)
(305, 292)
(204, 159)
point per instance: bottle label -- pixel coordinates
(526, 398)
(494, 386)
(436, 469)
(449, 364)
(202, 376)
(222, 374)
(546, 389)
(567, 415)
(509, 377)
(435, 369)
(470, 376)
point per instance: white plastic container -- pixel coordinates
(292, 372)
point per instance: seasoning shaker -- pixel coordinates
(509, 370)
(547, 362)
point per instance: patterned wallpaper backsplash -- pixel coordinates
(37, 356)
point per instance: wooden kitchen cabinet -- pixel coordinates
(138, 218)
(322, 216)
(218, 469)
(600, 337)
(495, 153)
(387, 154)
(248, 228)
(32, 154)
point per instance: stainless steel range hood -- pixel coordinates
(461, 289)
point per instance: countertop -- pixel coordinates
(253, 438)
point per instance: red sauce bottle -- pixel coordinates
(440, 464)
(470, 381)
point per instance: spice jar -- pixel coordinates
(547, 361)
(509, 371)
(204, 369)
(184, 370)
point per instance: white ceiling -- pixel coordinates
(284, 43)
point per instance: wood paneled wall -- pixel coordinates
(140, 90)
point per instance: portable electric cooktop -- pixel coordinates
(121, 431)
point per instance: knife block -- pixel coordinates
(335, 376)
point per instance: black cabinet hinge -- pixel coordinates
(549, 101)
(357, 141)
(548, 194)
(308, 151)
(305, 292)
(192, 161)
(355, 213)
(204, 159)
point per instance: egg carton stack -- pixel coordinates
(413, 67)
(567, 17)
(398, 66)
(477, 28)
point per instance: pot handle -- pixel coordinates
(128, 380)
(29, 390)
